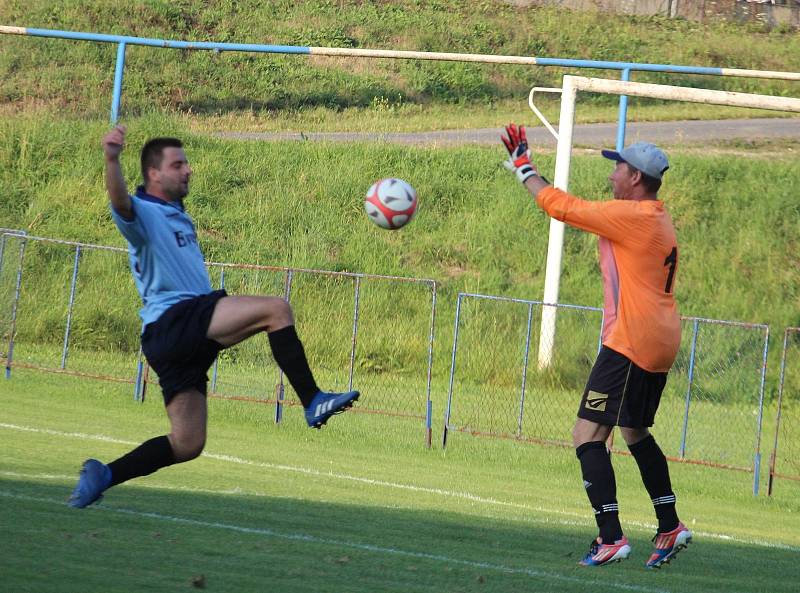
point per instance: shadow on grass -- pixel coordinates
(336, 99)
(172, 540)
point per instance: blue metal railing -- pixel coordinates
(625, 67)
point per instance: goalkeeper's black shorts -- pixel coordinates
(620, 393)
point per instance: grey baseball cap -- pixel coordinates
(646, 157)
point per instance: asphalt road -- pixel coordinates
(592, 135)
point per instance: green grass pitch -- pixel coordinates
(360, 506)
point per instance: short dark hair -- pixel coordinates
(153, 153)
(651, 184)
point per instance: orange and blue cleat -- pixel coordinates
(601, 554)
(668, 545)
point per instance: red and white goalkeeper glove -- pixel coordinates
(519, 155)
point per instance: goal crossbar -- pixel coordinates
(679, 93)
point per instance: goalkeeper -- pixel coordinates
(640, 337)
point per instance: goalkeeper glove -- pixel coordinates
(519, 155)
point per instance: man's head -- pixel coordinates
(165, 169)
(639, 170)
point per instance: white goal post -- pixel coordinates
(571, 86)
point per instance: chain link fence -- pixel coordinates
(711, 411)
(360, 331)
(785, 457)
(497, 385)
(51, 319)
(10, 252)
(71, 307)
(712, 408)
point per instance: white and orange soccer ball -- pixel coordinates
(391, 203)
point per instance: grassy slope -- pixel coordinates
(476, 229)
(299, 204)
(77, 76)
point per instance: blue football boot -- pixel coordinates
(324, 405)
(94, 479)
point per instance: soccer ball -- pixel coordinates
(391, 203)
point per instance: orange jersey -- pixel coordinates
(638, 261)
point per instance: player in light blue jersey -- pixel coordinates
(184, 322)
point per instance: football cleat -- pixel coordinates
(94, 479)
(324, 405)
(601, 554)
(668, 545)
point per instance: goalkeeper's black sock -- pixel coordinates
(291, 358)
(655, 475)
(148, 457)
(601, 488)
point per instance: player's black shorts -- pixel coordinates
(176, 346)
(619, 393)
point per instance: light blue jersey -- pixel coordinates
(166, 261)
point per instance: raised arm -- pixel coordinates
(614, 220)
(113, 143)
(519, 160)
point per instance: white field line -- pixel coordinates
(409, 487)
(270, 533)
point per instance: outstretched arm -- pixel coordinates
(113, 143)
(519, 160)
(614, 220)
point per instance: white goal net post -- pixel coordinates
(569, 91)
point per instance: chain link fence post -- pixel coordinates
(785, 457)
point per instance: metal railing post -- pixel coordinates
(138, 390)
(356, 297)
(280, 390)
(525, 369)
(119, 70)
(623, 112)
(695, 328)
(2, 250)
(216, 360)
(14, 307)
(67, 330)
(429, 407)
(774, 455)
(757, 459)
(452, 372)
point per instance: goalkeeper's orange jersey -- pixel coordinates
(638, 260)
